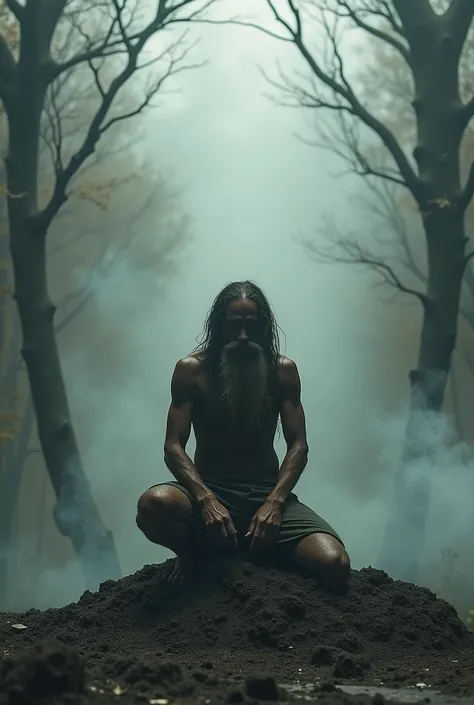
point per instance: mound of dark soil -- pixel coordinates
(140, 638)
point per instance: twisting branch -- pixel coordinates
(346, 11)
(385, 12)
(341, 136)
(116, 41)
(54, 138)
(347, 250)
(108, 45)
(131, 46)
(347, 100)
(383, 204)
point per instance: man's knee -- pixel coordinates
(325, 556)
(159, 506)
(337, 566)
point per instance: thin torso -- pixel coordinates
(229, 451)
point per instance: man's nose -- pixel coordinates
(243, 335)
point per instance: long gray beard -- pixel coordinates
(244, 381)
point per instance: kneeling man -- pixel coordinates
(233, 389)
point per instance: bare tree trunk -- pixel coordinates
(24, 83)
(435, 50)
(11, 454)
(405, 532)
(10, 482)
(75, 513)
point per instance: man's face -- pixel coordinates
(243, 363)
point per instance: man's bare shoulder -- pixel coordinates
(287, 367)
(288, 377)
(185, 378)
(190, 367)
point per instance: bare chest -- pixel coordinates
(214, 424)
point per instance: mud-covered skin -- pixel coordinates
(232, 395)
(224, 448)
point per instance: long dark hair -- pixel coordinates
(210, 343)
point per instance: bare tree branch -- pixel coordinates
(383, 203)
(346, 250)
(342, 137)
(116, 41)
(459, 17)
(100, 124)
(112, 253)
(385, 11)
(356, 16)
(96, 49)
(76, 514)
(336, 81)
(54, 138)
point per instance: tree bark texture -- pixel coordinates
(76, 515)
(435, 46)
(405, 533)
(13, 467)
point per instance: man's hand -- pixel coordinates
(219, 527)
(265, 526)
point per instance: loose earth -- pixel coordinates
(239, 634)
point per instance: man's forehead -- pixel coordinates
(242, 308)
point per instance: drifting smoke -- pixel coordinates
(448, 475)
(250, 186)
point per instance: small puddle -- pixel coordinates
(396, 695)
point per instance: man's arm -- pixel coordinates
(178, 428)
(294, 431)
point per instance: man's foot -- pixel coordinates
(184, 569)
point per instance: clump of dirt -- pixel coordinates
(150, 641)
(49, 670)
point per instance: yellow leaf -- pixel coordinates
(9, 415)
(5, 192)
(97, 193)
(441, 201)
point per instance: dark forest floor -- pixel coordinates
(231, 637)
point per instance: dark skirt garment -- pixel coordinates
(242, 501)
